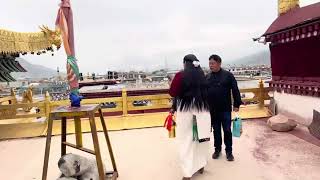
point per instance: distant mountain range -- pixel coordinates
(259, 58)
(34, 71)
(39, 72)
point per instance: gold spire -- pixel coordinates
(286, 5)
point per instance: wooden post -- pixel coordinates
(63, 136)
(13, 94)
(261, 94)
(105, 131)
(78, 131)
(124, 102)
(96, 146)
(47, 104)
(47, 150)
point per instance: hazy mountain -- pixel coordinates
(34, 71)
(259, 58)
(38, 71)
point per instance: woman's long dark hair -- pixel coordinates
(194, 94)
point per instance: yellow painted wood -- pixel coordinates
(23, 116)
(102, 100)
(21, 105)
(124, 102)
(250, 90)
(21, 124)
(47, 108)
(153, 106)
(78, 131)
(20, 129)
(9, 98)
(148, 97)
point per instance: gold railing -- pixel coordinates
(123, 105)
(260, 94)
(10, 99)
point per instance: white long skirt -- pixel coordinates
(192, 154)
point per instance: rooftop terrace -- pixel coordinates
(143, 154)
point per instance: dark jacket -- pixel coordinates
(221, 84)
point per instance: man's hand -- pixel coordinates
(236, 109)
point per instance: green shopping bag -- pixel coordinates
(237, 126)
(194, 128)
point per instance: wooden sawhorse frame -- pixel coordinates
(64, 112)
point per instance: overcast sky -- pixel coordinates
(144, 34)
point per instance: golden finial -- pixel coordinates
(285, 6)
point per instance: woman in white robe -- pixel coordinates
(189, 90)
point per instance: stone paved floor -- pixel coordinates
(145, 154)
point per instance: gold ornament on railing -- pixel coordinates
(27, 98)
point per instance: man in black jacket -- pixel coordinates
(221, 83)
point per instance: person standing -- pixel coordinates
(222, 84)
(189, 90)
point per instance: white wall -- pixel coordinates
(297, 107)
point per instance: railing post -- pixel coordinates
(124, 102)
(261, 94)
(13, 94)
(47, 104)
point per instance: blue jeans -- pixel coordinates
(224, 119)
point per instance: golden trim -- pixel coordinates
(17, 42)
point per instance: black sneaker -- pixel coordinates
(216, 154)
(230, 157)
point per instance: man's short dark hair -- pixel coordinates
(215, 58)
